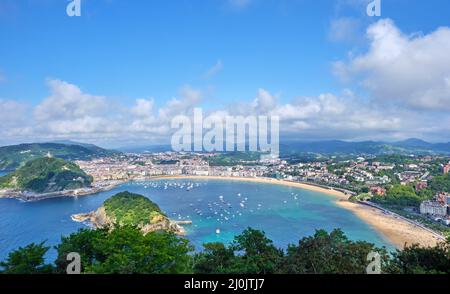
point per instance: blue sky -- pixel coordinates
(227, 52)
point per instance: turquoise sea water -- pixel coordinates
(286, 214)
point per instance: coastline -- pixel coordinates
(330, 191)
(30, 196)
(394, 229)
(397, 231)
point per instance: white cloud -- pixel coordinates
(70, 113)
(408, 70)
(12, 113)
(15, 123)
(157, 121)
(67, 101)
(264, 102)
(348, 116)
(190, 97)
(143, 107)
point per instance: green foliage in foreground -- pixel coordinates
(28, 260)
(125, 250)
(47, 175)
(131, 209)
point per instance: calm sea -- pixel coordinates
(219, 210)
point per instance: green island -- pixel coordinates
(128, 209)
(132, 209)
(46, 175)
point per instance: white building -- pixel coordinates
(433, 208)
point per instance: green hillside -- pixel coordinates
(11, 157)
(45, 175)
(131, 209)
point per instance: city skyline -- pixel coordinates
(118, 74)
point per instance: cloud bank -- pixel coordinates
(398, 88)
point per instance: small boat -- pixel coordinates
(218, 231)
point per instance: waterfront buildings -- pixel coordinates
(434, 208)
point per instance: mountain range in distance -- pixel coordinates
(11, 157)
(409, 146)
(333, 147)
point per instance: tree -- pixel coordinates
(331, 253)
(83, 242)
(215, 258)
(417, 260)
(401, 195)
(250, 253)
(259, 256)
(125, 250)
(27, 260)
(440, 184)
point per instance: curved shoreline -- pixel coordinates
(396, 230)
(329, 191)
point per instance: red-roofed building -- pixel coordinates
(421, 186)
(446, 169)
(378, 191)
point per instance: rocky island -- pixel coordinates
(131, 209)
(45, 178)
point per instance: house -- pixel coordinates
(378, 191)
(443, 198)
(422, 185)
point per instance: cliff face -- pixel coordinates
(97, 219)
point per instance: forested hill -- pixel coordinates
(131, 209)
(11, 157)
(44, 175)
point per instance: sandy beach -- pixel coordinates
(397, 231)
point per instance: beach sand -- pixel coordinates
(397, 231)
